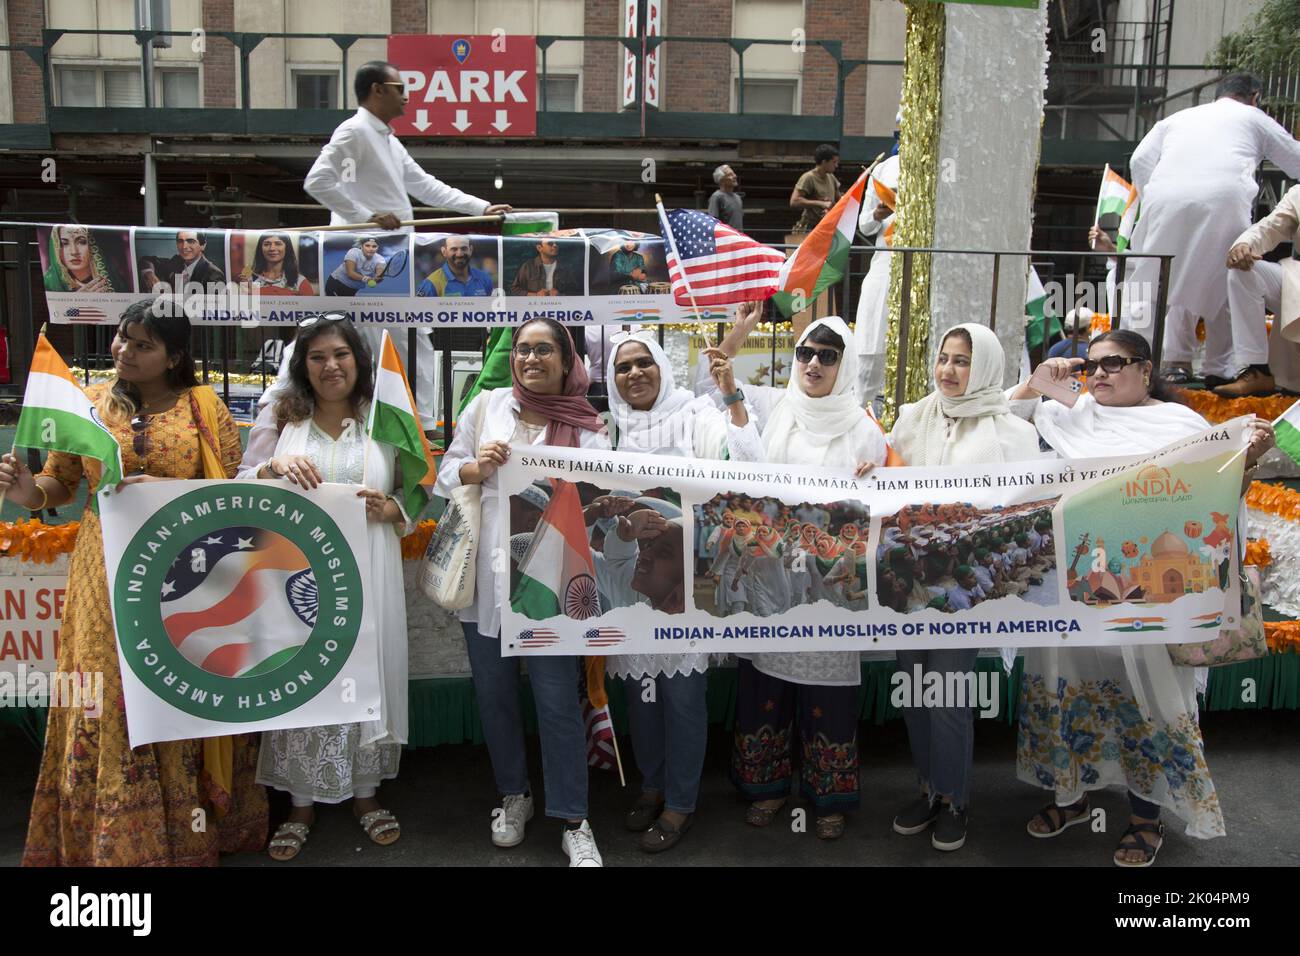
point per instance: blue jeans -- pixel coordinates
(559, 719)
(942, 738)
(669, 736)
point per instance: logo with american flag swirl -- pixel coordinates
(238, 605)
(604, 637)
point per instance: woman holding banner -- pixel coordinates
(546, 405)
(966, 420)
(1124, 715)
(651, 416)
(816, 419)
(99, 802)
(312, 433)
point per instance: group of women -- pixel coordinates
(99, 802)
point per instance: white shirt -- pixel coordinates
(492, 416)
(379, 177)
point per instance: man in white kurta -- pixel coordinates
(1253, 286)
(1195, 171)
(365, 174)
(876, 219)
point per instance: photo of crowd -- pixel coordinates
(951, 557)
(634, 542)
(763, 556)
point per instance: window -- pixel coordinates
(179, 88)
(561, 94)
(316, 90)
(123, 88)
(769, 96)
(77, 87)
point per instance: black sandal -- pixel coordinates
(1131, 841)
(662, 835)
(1069, 815)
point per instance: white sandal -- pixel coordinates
(379, 822)
(291, 836)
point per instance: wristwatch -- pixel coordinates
(736, 396)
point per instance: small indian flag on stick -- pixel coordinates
(393, 421)
(1287, 431)
(57, 416)
(1116, 191)
(823, 256)
(557, 573)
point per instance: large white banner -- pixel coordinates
(240, 606)
(622, 553)
(31, 612)
(276, 277)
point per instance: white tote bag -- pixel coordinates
(446, 571)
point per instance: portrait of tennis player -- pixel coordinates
(367, 265)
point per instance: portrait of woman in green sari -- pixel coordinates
(76, 262)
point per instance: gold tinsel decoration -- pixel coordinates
(917, 185)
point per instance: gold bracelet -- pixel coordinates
(45, 496)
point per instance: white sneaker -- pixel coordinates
(580, 847)
(509, 819)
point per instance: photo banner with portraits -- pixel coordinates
(240, 606)
(276, 277)
(641, 554)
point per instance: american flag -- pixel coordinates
(538, 637)
(600, 736)
(239, 599)
(81, 313)
(604, 637)
(722, 266)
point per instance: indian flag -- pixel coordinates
(823, 256)
(1116, 191)
(1127, 221)
(57, 416)
(1036, 312)
(525, 223)
(1287, 431)
(393, 421)
(557, 574)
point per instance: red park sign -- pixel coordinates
(467, 85)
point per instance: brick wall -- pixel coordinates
(410, 16)
(221, 59)
(602, 61)
(846, 21)
(696, 76)
(26, 20)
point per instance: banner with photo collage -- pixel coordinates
(274, 276)
(636, 554)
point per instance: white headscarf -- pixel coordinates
(985, 430)
(1092, 430)
(652, 431)
(836, 424)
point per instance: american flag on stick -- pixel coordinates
(710, 263)
(602, 746)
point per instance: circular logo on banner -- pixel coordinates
(581, 599)
(237, 604)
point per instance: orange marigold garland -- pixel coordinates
(413, 544)
(1282, 636)
(1277, 500)
(1257, 553)
(1216, 409)
(36, 541)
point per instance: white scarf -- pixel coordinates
(984, 428)
(659, 430)
(1091, 430)
(835, 424)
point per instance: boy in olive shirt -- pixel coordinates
(817, 189)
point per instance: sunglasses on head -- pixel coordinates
(1112, 364)
(805, 354)
(324, 317)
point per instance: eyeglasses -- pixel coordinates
(1111, 363)
(805, 354)
(140, 443)
(543, 350)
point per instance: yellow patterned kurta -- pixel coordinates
(98, 802)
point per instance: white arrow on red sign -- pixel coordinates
(502, 122)
(462, 122)
(421, 121)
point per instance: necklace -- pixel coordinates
(146, 407)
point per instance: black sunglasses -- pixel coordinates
(324, 317)
(806, 353)
(1111, 363)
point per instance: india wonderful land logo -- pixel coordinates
(236, 603)
(1154, 483)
